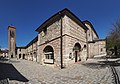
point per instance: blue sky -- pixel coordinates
(28, 15)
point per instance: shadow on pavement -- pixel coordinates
(112, 63)
(95, 65)
(9, 71)
(13, 61)
(101, 64)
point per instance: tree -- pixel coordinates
(113, 38)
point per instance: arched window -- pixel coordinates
(49, 54)
(77, 47)
(85, 46)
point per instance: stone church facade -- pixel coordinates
(63, 39)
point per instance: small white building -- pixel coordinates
(4, 53)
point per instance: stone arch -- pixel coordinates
(48, 45)
(76, 42)
(19, 56)
(34, 52)
(77, 47)
(48, 54)
(35, 56)
(31, 56)
(76, 51)
(23, 56)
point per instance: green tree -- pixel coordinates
(113, 38)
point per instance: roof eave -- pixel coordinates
(88, 22)
(63, 12)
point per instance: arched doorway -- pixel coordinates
(12, 56)
(31, 56)
(49, 55)
(76, 50)
(23, 56)
(35, 56)
(19, 56)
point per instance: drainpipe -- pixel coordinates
(32, 52)
(36, 55)
(98, 48)
(87, 45)
(61, 41)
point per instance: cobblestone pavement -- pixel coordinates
(90, 72)
(116, 65)
(118, 72)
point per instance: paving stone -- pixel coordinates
(75, 74)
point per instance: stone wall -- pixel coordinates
(74, 30)
(55, 44)
(21, 52)
(51, 38)
(91, 34)
(102, 47)
(31, 52)
(74, 33)
(53, 31)
(97, 48)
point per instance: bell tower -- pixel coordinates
(12, 41)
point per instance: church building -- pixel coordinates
(63, 39)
